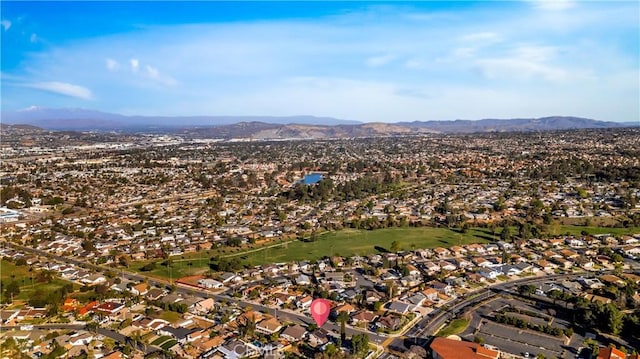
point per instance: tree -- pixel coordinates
(395, 246)
(148, 267)
(505, 235)
(342, 318)
(614, 318)
(331, 350)
(360, 344)
(527, 290)
(92, 327)
(21, 261)
(57, 350)
(377, 305)
(11, 290)
(391, 286)
(524, 230)
(88, 245)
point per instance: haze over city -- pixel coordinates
(361, 61)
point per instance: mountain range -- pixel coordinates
(83, 119)
(284, 127)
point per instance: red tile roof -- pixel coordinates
(611, 353)
(455, 349)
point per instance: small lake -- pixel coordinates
(312, 178)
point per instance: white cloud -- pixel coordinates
(6, 24)
(33, 38)
(378, 61)
(522, 69)
(135, 64)
(461, 52)
(536, 53)
(154, 74)
(473, 43)
(553, 5)
(415, 64)
(483, 37)
(63, 88)
(525, 62)
(112, 65)
(242, 66)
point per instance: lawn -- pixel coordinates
(456, 326)
(28, 285)
(10, 271)
(178, 269)
(351, 242)
(161, 340)
(577, 230)
(169, 344)
(170, 316)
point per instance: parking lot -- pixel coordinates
(518, 341)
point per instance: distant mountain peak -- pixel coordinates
(301, 126)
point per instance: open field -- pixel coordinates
(350, 242)
(361, 242)
(10, 271)
(28, 284)
(177, 270)
(344, 243)
(577, 230)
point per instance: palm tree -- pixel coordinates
(342, 319)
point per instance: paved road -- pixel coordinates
(147, 349)
(425, 328)
(434, 320)
(187, 290)
(102, 331)
(46, 326)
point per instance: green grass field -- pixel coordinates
(22, 275)
(10, 271)
(178, 268)
(161, 340)
(577, 230)
(350, 242)
(456, 326)
(169, 344)
(361, 242)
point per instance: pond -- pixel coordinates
(312, 178)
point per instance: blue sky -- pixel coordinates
(364, 61)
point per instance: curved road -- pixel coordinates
(286, 315)
(101, 331)
(425, 328)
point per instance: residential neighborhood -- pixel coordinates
(169, 247)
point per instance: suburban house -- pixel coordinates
(111, 309)
(363, 317)
(318, 337)
(209, 283)
(203, 306)
(293, 333)
(269, 326)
